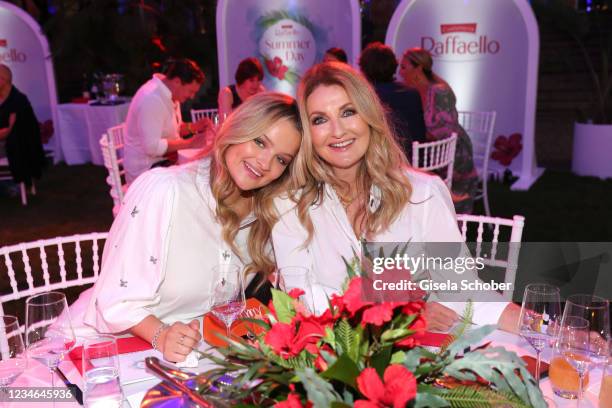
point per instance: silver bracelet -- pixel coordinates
(156, 335)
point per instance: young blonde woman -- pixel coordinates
(177, 223)
(352, 182)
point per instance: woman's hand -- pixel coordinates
(178, 340)
(439, 317)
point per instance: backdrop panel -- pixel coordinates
(288, 36)
(24, 49)
(488, 52)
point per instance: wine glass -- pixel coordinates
(297, 277)
(13, 360)
(539, 316)
(568, 365)
(227, 299)
(49, 335)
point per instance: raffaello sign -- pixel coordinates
(10, 55)
(460, 40)
(488, 53)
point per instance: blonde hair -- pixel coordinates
(384, 162)
(249, 121)
(418, 57)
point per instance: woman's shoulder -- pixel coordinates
(424, 185)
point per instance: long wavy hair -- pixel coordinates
(383, 165)
(249, 121)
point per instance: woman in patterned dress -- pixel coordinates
(439, 103)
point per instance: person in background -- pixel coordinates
(353, 183)
(248, 83)
(154, 127)
(335, 54)
(177, 223)
(378, 63)
(441, 121)
(19, 132)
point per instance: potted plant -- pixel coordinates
(590, 32)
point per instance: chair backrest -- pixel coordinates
(212, 114)
(473, 229)
(479, 127)
(438, 155)
(112, 144)
(50, 264)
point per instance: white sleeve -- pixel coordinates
(135, 255)
(288, 239)
(442, 227)
(150, 126)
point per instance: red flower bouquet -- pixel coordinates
(364, 354)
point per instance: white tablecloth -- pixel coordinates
(81, 126)
(37, 375)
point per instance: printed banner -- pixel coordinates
(488, 52)
(24, 49)
(287, 36)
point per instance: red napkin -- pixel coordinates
(125, 345)
(433, 339)
(211, 325)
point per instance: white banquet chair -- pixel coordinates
(496, 256)
(436, 156)
(480, 127)
(112, 144)
(212, 114)
(50, 264)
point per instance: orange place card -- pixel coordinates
(212, 325)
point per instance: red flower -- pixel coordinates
(293, 401)
(280, 337)
(352, 299)
(288, 340)
(507, 148)
(378, 314)
(320, 362)
(398, 388)
(276, 68)
(296, 293)
(418, 326)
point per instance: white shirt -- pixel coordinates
(160, 251)
(152, 119)
(429, 217)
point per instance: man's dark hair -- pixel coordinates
(248, 68)
(378, 63)
(184, 69)
(339, 53)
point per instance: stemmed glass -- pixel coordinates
(227, 299)
(591, 347)
(570, 350)
(539, 317)
(13, 361)
(49, 335)
(297, 277)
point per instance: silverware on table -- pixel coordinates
(78, 393)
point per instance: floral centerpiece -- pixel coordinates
(367, 355)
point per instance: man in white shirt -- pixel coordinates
(154, 127)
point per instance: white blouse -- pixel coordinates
(160, 251)
(430, 217)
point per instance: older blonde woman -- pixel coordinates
(352, 182)
(177, 223)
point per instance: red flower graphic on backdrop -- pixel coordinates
(398, 388)
(507, 148)
(276, 67)
(46, 130)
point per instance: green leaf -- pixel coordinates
(344, 369)
(476, 397)
(380, 360)
(340, 405)
(320, 392)
(391, 336)
(424, 400)
(347, 339)
(470, 338)
(283, 305)
(398, 357)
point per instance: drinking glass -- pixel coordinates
(538, 321)
(101, 372)
(13, 360)
(605, 392)
(227, 299)
(596, 311)
(567, 370)
(297, 277)
(48, 334)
